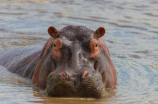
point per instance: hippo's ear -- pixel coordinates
(53, 32)
(100, 32)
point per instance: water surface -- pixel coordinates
(131, 35)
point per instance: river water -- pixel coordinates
(131, 35)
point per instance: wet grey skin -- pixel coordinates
(74, 75)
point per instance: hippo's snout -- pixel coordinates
(84, 84)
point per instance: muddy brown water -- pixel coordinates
(131, 35)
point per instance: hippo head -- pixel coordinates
(74, 63)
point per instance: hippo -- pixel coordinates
(74, 62)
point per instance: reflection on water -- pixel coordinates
(132, 28)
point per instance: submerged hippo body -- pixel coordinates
(74, 62)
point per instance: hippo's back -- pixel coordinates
(21, 60)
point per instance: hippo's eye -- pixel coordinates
(94, 48)
(57, 49)
(54, 45)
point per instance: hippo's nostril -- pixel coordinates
(85, 74)
(63, 74)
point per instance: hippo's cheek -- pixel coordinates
(89, 86)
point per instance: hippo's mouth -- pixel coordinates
(89, 86)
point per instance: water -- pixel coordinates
(131, 35)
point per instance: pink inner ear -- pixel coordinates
(102, 30)
(52, 31)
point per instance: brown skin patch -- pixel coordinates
(57, 49)
(94, 48)
(110, 61)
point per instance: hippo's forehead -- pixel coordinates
(75, 33)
